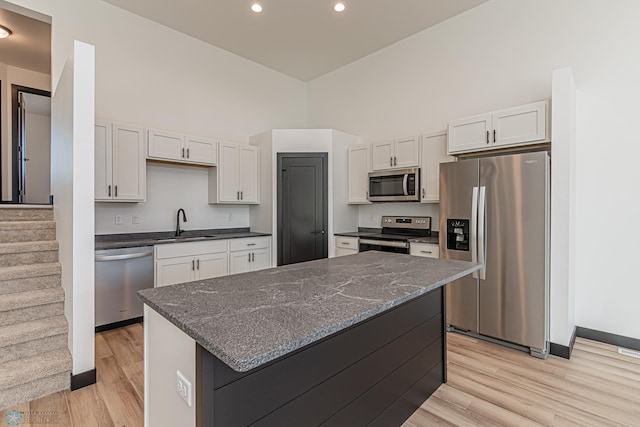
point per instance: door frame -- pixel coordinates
(325, 198)
(15, 197)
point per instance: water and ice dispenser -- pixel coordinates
(458, 234)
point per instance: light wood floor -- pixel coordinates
(488, 385)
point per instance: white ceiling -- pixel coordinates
(29, 45)
(302, 38)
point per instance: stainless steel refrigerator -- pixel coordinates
(495, 211)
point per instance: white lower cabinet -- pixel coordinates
(427, 250)
(251, 254)
(347, 245)
(186, 262)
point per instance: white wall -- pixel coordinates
(72, 179)
(169, 188)
(155, 77)
(501, 54)
(11, 75)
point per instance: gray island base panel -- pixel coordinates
(250, 319)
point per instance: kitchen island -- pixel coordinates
(353, 340)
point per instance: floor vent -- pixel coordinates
(631, 353)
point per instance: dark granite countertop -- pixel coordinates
(377, 232)
(131, 240)
(249, 319)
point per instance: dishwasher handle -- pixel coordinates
(123, 257)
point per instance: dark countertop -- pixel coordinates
(131, 240)
(377, 232)
(249, 319)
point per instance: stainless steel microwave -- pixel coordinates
(400, 185)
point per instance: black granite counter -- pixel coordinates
(131, 240)
(372, 233)
(247, 320)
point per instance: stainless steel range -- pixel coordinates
(396, 233)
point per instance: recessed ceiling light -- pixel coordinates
(256, 7)
(4, 32)
(339, 7)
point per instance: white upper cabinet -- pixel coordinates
(400, 153)
(177, 147)
(511, 127)
(235, 179)
(434, 152)
(359, 166)
(120, 167)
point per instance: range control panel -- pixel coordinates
(458, 234)
(417, 222)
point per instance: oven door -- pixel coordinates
(384, 246)
(394, 186)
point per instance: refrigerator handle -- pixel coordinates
(473, 238)
(482, 232)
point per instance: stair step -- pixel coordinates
(21, 253)
(33, 377)
(30, 338)
(27, 231)
(30, 277)
(31, 305)
(26, 213)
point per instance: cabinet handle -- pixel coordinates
(198, 264)
(193, 265)
(116, 188)
(346, 243)
(390, 161)
(253, 257)
(241, 196)
(494, 135)
(426, 252)
(183, 153)
(109, 190)
(251, 244)
(367, 195)
(238, 195)
(249, 254)
(395, 161)
(187, 153)
(423, 192)
(487, 137)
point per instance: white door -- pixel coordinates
(260, 259)
(228, 185)
(524, 124)
(129, 173)
(102, 156)
(201, 150)
(470, 133)
(175, 270)
(406, 152)
(166, 145)
(382, 155)
(248, 174)
(239, 262)
(212, 265)
(358, 173)
(434, 152)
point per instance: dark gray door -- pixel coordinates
(302, 207)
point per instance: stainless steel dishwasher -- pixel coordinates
(120, 274)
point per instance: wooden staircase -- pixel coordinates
(34, 355)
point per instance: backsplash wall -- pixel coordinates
(371, 215)
(169, 188)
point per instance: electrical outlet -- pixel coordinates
(183, 387)
(118, 219)
(135, 219)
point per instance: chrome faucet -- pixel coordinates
(184, 218)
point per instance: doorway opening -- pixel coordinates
(302, 207)
(31, 145)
